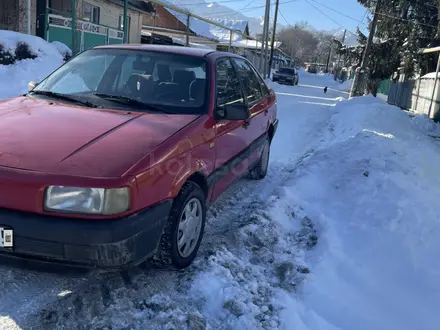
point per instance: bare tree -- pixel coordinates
(299, 41)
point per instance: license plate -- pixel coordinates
(6, 238)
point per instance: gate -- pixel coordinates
(87, 35)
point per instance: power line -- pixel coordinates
(256, 7)
(282, 16)
(337, 11)
(406, 20)
(363, 17)
(311, 4)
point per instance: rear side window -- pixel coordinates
(249, 80)
(227, 84)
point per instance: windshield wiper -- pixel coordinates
(133, 101)
(64, 97)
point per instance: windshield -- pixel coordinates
(287, 71)
(173, 82)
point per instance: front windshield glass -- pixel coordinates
(174, 82)
(287, 71)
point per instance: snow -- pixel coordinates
(49, 57)
(40, 48)
(430, 75)
(62, 48)
(342, 234)
(372, 188)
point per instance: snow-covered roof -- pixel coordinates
(234, 24)
(251, 44)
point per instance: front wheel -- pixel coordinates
(184, 231)
(259, 171)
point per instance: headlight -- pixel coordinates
(87, 200)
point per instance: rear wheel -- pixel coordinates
(259, 171)
(184, 231)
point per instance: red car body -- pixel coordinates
(44, 142)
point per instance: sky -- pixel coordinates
(294, 11)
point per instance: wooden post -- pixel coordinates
(125, 21)
(187, 30)
(73, 27)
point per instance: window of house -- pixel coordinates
(121, 25)
(91, 13)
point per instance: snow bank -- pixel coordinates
(372, 188)
(49, 57)
(38, 46)
(430, 75)
(345, 86)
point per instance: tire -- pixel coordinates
(169, 254)
(259, 171)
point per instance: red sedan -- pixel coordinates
(113, 159)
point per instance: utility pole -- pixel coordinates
(273, 35)
(73, 26)
(265, 38)
(328, 59)
(361, 75)
(125, 21)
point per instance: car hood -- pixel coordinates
(41, 135)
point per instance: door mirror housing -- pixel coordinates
(31, 85)
(233, 112)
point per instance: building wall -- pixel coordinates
(164, 19)
(13, 15)
(109, 15)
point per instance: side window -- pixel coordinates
(264, 88)
(249, 80)
(227, 84)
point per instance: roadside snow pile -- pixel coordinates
(345, 86)
(373, 188)
(29, 58)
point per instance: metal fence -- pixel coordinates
(87, 34)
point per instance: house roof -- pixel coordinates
(234, 24)
(203, 28)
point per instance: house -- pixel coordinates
(169, 27)
(97, 21)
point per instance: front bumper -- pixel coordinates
(86, 243)
(283, 80)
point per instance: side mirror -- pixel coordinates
(31, 85)
(233, 112)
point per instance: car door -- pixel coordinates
(231, 140)
(257, 95)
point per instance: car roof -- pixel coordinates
(190, 51)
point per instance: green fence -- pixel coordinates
(384, 87)
(88, 35)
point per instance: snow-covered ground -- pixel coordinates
(14, 78)
(342, 234)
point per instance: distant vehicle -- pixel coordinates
(287, 76)
(312, 69)
(114, 158)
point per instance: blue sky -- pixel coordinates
(302, 10)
